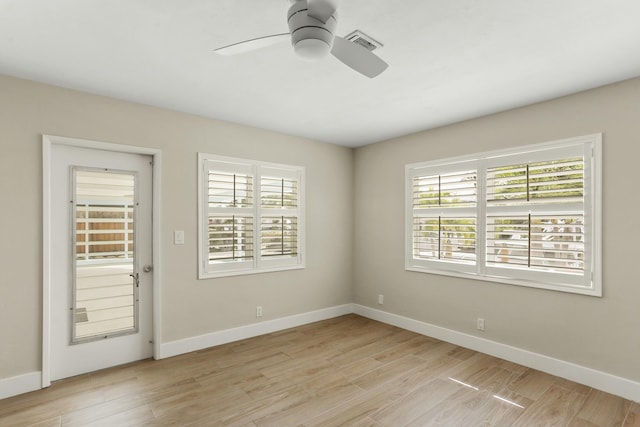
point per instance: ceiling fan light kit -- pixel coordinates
(311, 38)
(312, 25)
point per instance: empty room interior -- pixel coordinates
(312, 212)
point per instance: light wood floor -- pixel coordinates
(348, 371)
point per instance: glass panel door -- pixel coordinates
(105, 292)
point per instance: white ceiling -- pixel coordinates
(449, 60)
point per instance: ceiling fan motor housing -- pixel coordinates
(311, 38)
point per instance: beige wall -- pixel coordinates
(601, 333)
(347, 260)
(190, 307)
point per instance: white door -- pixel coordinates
(101, 272)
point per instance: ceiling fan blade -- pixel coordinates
(358, 57)
(322, 9)
(253, 44)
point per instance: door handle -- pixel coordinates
(136, 278)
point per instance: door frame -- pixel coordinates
(48, 141)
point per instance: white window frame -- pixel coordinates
(588, 283)
(257, 169)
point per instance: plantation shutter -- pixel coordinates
(279, 207)
(250, 216)
(536, 214)
(528, 216)
(444, 216)
(230, 214)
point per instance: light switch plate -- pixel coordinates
(178, 237)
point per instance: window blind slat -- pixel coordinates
(451, 189)
(230, 238)
(279, 236)
(559, 181)
(444, 238)
(548, 242)
(226, 189)
(278, 193)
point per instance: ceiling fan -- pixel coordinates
(312, 25)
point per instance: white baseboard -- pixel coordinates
(200, 342)
(580, 374)
(20, 384)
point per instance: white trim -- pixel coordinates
(47, 143)
(540, 284)
(597, 379)
(20, 384)
(46, 262)
(596, 193)
(249, 270)
(522, 149)
(200, 342)
(157, 252)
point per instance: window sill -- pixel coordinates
(214, 275)
(594, 291)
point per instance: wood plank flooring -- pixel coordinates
(347, 371)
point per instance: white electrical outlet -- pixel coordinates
(259, 311)
(480, 324)
(380, 299)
